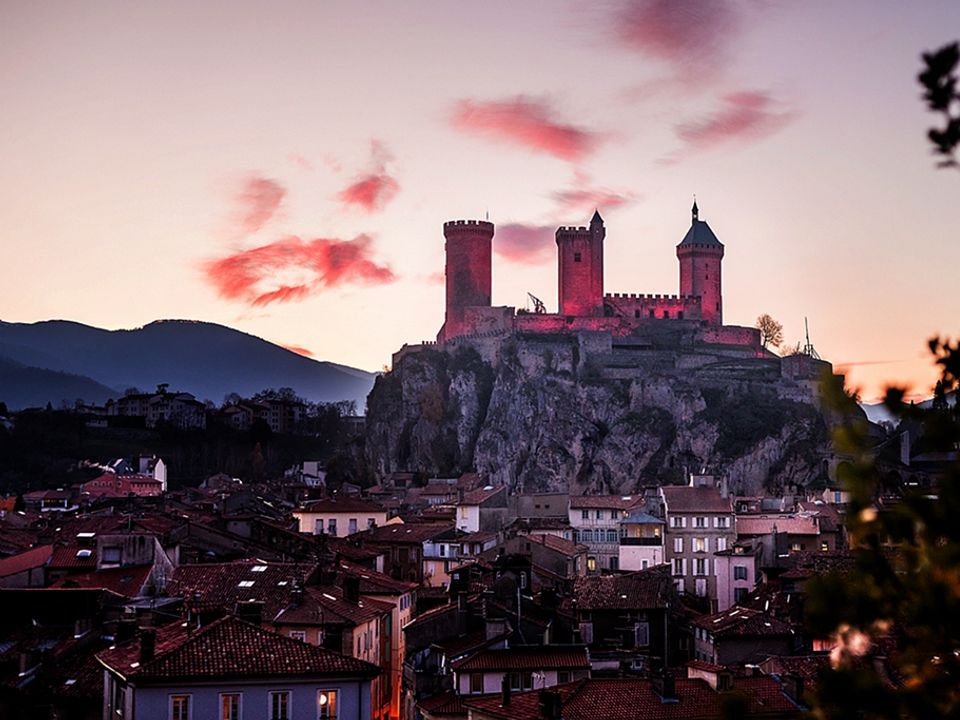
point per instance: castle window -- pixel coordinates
(652, 313)
(636, 313)
(680, 315)
(576, 257)
(666, 314)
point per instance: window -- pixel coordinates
(111, 556)
(721, 522)
(701, 587)
(521, 680)
(739, 572)
(678, 545)
(700, 566)
(318, 526)
(577, 257)
(326, 705)
(699, 544)
(332, 526)
(371, 522)
(678, 566)
(678, 521)
(230, 706)
(614, 563)
(179, 707)
(599, 514)
(523, 581)
(279, 704)
(644, 564)
(739, 594)
(584, 514)
(476, 683)
(351, 526)
(563, 676)
(443, 551)
(641, 634)
(611, 536)
(824, 547)
(653, 313)
(299, 635)
(700, 522)
(797, 547)
(586, 536)
(119, 699)
(721, 544)
(591, 564)
(636, 313)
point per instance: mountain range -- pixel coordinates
(58, 360)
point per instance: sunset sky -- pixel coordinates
(285, 168)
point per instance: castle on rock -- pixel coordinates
(696, 311)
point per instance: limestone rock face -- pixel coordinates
(542, 419)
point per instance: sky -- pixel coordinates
(285, 168)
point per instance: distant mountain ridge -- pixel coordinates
(57, 360)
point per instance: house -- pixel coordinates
(526, 667)
(641, 541)
(26, 569)
(801, 529)
(559, 556)
(339, 516)
(596, 523)
(626, 618)
(231, 669)
(482, 509)
(404, 545)
(737, 570)
(699, 520)
(741, 635)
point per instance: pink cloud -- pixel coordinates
(742, 116)
(528, 244)
(583, 196)
(258, 200)
(694, 36)
(293, 269)
(372, 190)
(527, 122)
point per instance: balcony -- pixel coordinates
(658, 541)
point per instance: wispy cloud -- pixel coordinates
(527, 122)
(741, 117)
(373, 189)
(293, 269)
(258, 201)
(583, 195)
(298, 350)
(522, 243)
(694, 37)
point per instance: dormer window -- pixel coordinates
(577, 257)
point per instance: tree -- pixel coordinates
(771, 332)
(939, 80)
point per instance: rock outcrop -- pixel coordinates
(545, 415)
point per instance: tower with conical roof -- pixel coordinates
(700, 254)
(580, 266)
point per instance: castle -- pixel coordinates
(583, 305)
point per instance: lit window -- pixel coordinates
(326, 704)
(721, 543)
(699, 544)
(179, 707)
(280, 705)
(230, 706)
(592, 564)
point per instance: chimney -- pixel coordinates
(126, 630)
(551, 706)
(792, 685)
(351, 588)
(665, 686)
(148, 644)
(505, 690)
(296, 593)
(250, 611)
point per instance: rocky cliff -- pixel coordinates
(544, 417)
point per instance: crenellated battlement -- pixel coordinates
(471, 227)
(652, 297)
(572, 230)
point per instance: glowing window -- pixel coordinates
(326, 705)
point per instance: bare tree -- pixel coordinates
(771, 332)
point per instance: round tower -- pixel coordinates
(469, 246)
(700, 254)
(580, 267)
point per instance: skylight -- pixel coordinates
(258, 568)
(246, 583)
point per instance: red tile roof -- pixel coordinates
(74, 557)
(685, 499)
(127, 582)
(445, 704)
(792, 524)
(540, 657)
(645, 589)
(223, 585)
(635, 699)
(406, 532)
(342, 504)
(330, 604)
(375, 583)
(741, 621)
(481, 495)
(605, 502)
(228, 648)
(29, 560)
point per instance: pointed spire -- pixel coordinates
(695, 211)
(596, 219)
